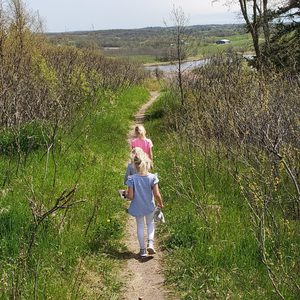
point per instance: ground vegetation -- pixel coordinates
(64, 114)
(229, 158)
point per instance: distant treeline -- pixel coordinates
(152, 36)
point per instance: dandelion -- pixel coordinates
(108, 220)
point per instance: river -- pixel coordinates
(188, 65)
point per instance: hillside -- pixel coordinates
(127, 37)
(151, 43)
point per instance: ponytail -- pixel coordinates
(142, 160)
(136, 151)
(141, 130)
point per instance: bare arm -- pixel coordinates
(129, 194)
(150, 154)
(151, 157)
(157, 196)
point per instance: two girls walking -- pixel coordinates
(142, 190)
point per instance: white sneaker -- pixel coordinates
(150, 249)
(143, 252)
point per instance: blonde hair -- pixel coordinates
(141, 130)
(140, 159)
(135, 151)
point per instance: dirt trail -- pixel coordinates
(143, 276)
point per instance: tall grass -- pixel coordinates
(75, 249)
(213, 251)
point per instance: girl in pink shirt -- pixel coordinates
(141, 141)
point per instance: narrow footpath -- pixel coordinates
(143, 277)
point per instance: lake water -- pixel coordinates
(190, 65)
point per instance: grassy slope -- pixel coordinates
(69, 262)
(219, 260)
(206, 47)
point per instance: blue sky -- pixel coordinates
(73, 15)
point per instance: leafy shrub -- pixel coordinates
(229, 152)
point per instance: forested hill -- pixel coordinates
(127, 37)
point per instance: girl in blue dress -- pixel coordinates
(142, 189)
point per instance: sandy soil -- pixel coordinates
(143, 277)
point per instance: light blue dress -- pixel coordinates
(142, 203)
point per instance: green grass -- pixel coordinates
(207, 46)
(237, 44)
(73, 251)
(219, 259)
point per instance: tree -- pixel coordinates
(285, 42)
(257, 15)
(180, 22)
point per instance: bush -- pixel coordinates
(228, 157)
